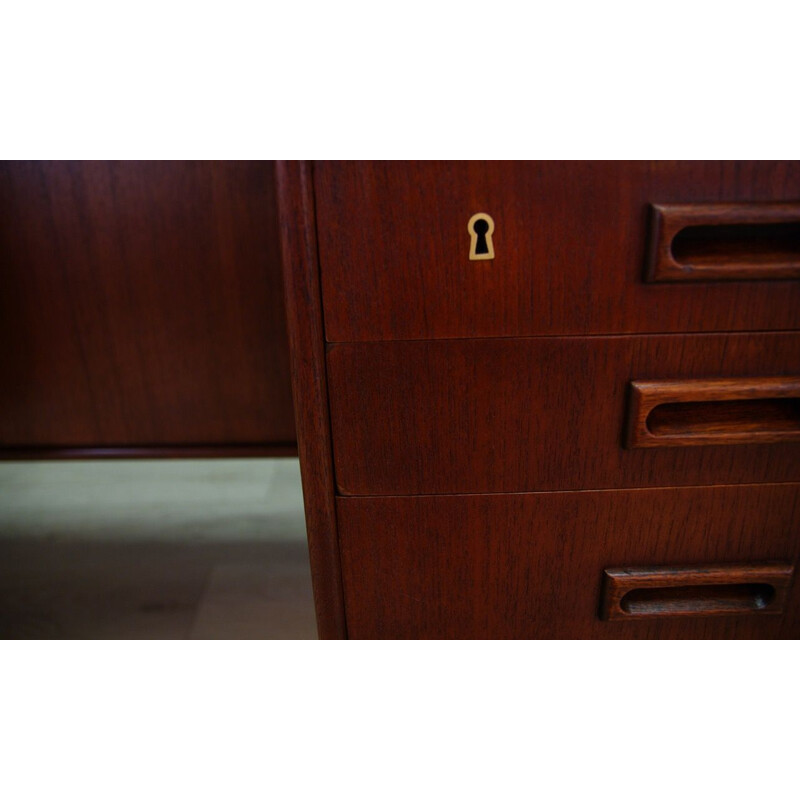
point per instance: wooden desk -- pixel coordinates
(595, 433)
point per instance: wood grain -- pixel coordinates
(141, 306)
(269, 450)
(708, 590)
(714, 412)
(513, 415)
(745, 241)
(304, 315)
(467, 397)
(532, 565)
(569, 240)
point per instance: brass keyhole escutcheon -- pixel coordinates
(481, 228)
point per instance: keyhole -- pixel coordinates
(481, 227)
(481, 247)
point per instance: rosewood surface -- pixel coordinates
(309, 384)
(570, 243)
(532, 565)
(141, 307)
(469, 420)
(512, 415)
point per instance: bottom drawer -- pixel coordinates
(533, 565)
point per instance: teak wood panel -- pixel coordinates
(570, 243)
(141, 305)
(532, 565)
(513, 415)
(304, 320)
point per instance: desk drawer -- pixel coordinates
(579, 248)
(533, 565)
(552, 414)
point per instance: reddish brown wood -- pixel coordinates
(724, 242)
(140, 305)
(532, 565)
(569, 240)
(304, 312)
(456, 388)
(537, 414)
(271, 450)
(713, 412)
(709, 590)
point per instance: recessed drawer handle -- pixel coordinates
(713, 242)
(634, 592)
(718, 411)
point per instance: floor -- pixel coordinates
(206, 549)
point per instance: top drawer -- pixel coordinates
(578, 248)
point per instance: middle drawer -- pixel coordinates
(551, 413)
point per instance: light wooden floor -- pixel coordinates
(154, 549)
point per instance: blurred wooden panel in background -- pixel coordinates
(141, 306)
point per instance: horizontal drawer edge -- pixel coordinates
(602, 491)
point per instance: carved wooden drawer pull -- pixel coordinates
(703, 591)
(715, 411)
(731, 242)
